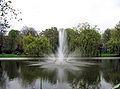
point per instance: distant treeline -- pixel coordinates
(84, 39)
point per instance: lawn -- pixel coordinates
(15, 55)
(12, 55)
(109, 55)
(23, 55)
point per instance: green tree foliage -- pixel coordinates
(89, 40)
(114, 42)
(36, 46)
(116, 32)
(85, 26)
(5, 45)
(13, 40)
(52, 36)
(1, 41)
(114, 46)
(7, 12)
(25, 32)
(106, 35)
(72, 39)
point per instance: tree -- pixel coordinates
(20, 45)
(72, 39)
(36, 46)
(5, 45)
(114, 46)
(29, 30)
(106, 36)
(1, 41)
(89, 40)
(13, 40)
(25, 32)
(7, 12)
(114, 42)
(52, 36)
(85, 26)
(116, 32)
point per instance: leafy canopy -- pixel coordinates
(7, 12)
(36, 46)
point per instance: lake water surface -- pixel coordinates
(84, 74)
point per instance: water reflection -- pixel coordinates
(111, 71)
(94, 74)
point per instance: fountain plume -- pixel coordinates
(62, 49)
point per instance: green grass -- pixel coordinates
(109, 55)
(14, 55)
(11, 55)
(23, 55)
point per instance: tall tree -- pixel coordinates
(106, 35)
(5, 45)
(36, 46)
(116, 32)
(72, 39)
(29, 30)
(13, 40)
(1, 41)
(114, 42)
(89, 40)
(52, 36)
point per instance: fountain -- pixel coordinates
(62, 49)
(58, 73)
(60, 62)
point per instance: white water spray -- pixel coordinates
(62, 49)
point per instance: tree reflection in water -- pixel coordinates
(87, 75)
(111, 71)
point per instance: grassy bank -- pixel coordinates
(15, 55)
(23, 55)
(109, 55)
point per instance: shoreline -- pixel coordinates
(43, 58)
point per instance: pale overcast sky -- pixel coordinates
(43, 14)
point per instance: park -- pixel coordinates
(79, 57)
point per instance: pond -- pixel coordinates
(80, 74)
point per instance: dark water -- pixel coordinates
(94, 74)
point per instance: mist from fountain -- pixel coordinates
(59, 62)
(62, 49)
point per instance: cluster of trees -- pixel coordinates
(29, 41)
(7, 13)
(85, 39)
(111, 40)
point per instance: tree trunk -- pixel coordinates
(0, 49)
